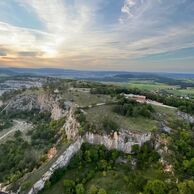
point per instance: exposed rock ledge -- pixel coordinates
(41, 102)
(62, 161)
(122, 141)
(186, 116)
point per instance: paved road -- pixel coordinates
(18, 125)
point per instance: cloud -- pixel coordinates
(3, 53)
(128, 5)
(73, 35)
(29, 54)
(22, 38)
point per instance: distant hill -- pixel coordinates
(106, 75)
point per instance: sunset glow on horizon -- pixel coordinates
(131, 35)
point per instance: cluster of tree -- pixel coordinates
(90, 160)
(10, 94)
(84, 124)
(184, 105)
(70, 187)
(5, 122)
(16, 158)
(108, 125)
(94, 159)
(34, 116)
(109, 90)
(44, 135)
(84, 84)
(145, 155)
(132, 108)
(181, 145)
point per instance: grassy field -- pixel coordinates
(85, 99)
(96, 115)
(182, 92)
(144, 85)
(151, 86)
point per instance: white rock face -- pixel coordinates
(41, 102)
(71, 126)
(186, 116)
(62, 161)
(122, 141)
(1, 103)
(165, 128)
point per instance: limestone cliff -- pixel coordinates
(71, 126)
(62, 161)
(122, 141)
(41, 102)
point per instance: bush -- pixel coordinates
(80, 189)
(102, 191)
(155, 187)
(109, 125)
(93, 190)
(69, 186)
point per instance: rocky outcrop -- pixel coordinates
(71, 126)
(41, 102)
(1, 103)
(186, 116)
(165, 128)
(122, 141)
(22, 103)
(62, 161)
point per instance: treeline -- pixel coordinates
(45, 134)
(184, 105)
(132, 108)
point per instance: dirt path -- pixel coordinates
(159, 104)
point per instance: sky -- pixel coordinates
(129, 35)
